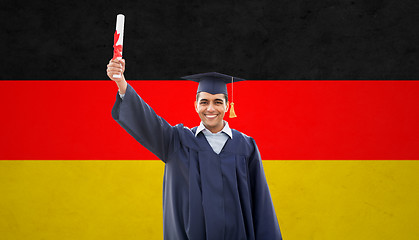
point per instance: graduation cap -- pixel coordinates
(214, 83)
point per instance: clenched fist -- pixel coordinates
(116, 67)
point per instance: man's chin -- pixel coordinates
(213, 125)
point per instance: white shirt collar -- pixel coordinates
(226, 129)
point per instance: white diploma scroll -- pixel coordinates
(118, 39)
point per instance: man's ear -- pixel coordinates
(227, 106)
(196, 106)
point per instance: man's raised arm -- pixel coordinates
(137, 117)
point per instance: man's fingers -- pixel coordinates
(114, 60)
(122, 61)
(115, 65)
(115, 69)
(113, 72)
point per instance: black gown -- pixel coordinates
(205, 195)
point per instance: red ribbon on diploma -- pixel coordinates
(117, 49)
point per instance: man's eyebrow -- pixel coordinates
(217, 99)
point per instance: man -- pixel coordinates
(214, 184)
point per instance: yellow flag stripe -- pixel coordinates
(122, 199)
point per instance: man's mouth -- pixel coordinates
(210, 116)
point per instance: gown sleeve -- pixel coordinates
(264, 217)
(141, 122)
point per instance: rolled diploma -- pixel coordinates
(120, 20)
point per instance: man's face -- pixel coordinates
(211, 109)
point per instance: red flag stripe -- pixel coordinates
(289, 119)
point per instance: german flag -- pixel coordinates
(340, 157)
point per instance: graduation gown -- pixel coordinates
(205, 195)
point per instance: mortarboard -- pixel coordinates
(214, 83)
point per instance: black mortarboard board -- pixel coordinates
(212, 82)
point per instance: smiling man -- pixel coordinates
(211, 109)
(214, 185)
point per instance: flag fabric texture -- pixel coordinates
(339, 157)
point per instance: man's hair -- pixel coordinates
(225, 96)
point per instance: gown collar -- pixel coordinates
(226, 129)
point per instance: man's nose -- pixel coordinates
(210, 107)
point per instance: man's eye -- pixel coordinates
(203, 103)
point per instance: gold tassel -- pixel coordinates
(232, 112)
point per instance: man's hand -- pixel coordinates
(117, 67)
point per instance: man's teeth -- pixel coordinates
(211, 116)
